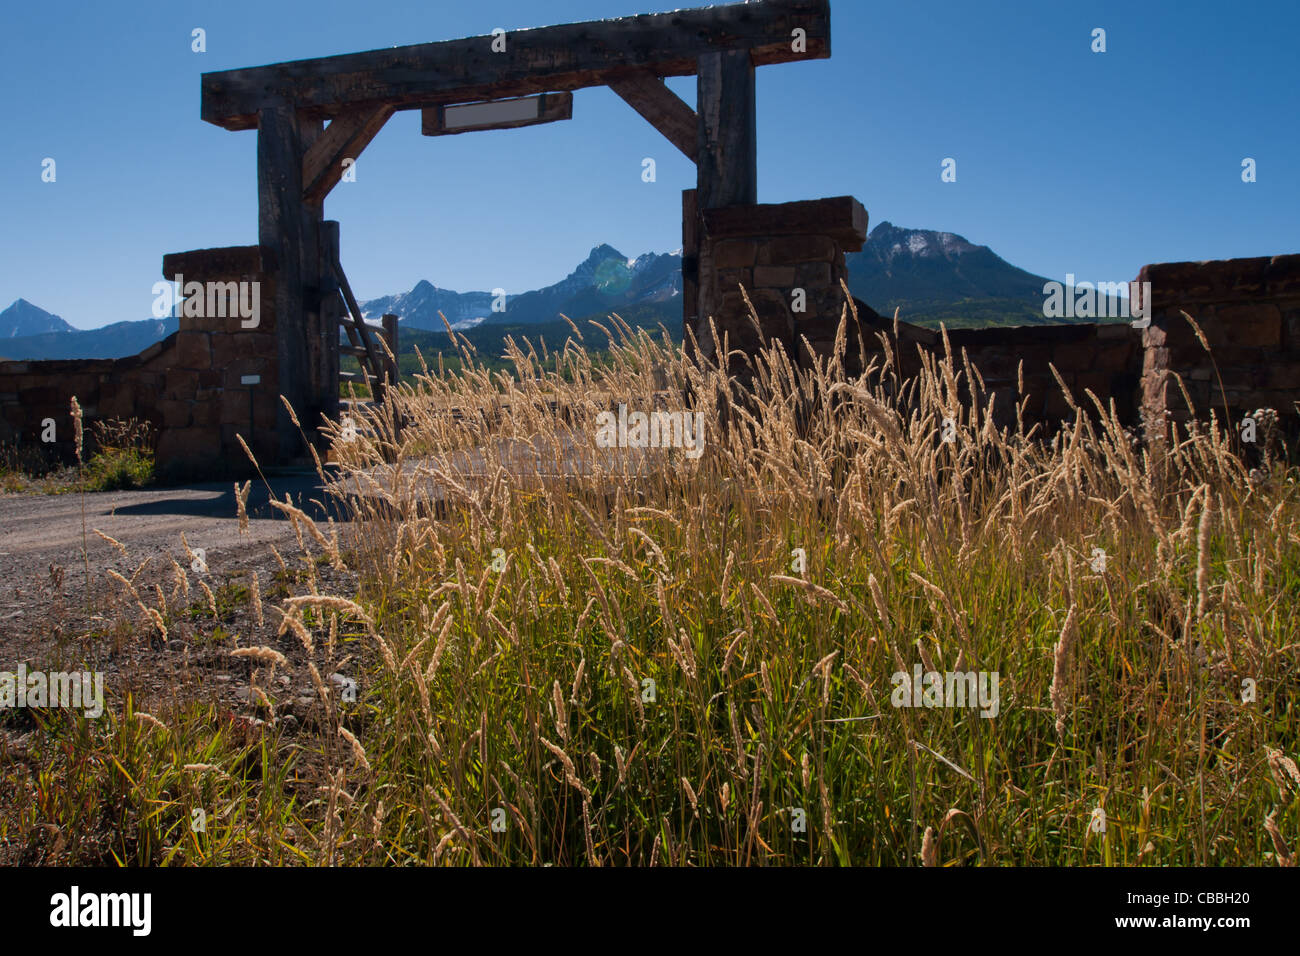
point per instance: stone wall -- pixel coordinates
(1104, 359)
(189, 386)
(1015, 365)
(33, 392)
(1248, 310)
(1249, 313)
(792, 254)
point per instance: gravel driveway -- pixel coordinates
(38, 532)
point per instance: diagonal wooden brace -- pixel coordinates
(345, 137)
(663, 109)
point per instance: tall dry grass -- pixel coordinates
(569, 654)
(613, 656)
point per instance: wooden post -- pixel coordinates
(391, 373)
(727, 140)
(390, 363)
(690, 265)
(289, 234)
(321, 333)
(727, 168)
(331, 315)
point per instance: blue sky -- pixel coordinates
(1067, 160)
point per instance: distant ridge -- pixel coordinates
(112, 341)
(606, 281)
(930, 276)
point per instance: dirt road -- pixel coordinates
(39, 533)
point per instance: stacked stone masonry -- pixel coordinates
(1015, 365)
(193, 386)
(1249, 313)
(790, 260)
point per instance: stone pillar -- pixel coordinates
(1249, 313)
(221, 370)
(789, 258)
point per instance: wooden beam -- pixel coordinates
(727, 169)
(690, 265)
(344, 138)
(391, 375)
(288, 231)
(663, 109)
(496, 114)
(566, 57)
(309, 130)
(332, 312)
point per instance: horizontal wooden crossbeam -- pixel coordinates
(566, 57)
(496, 114)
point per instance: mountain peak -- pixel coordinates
(925, 271)
(889, 241)
(589, 266)
(23, 318)
(602, 252)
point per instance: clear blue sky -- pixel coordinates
(1067, 160)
